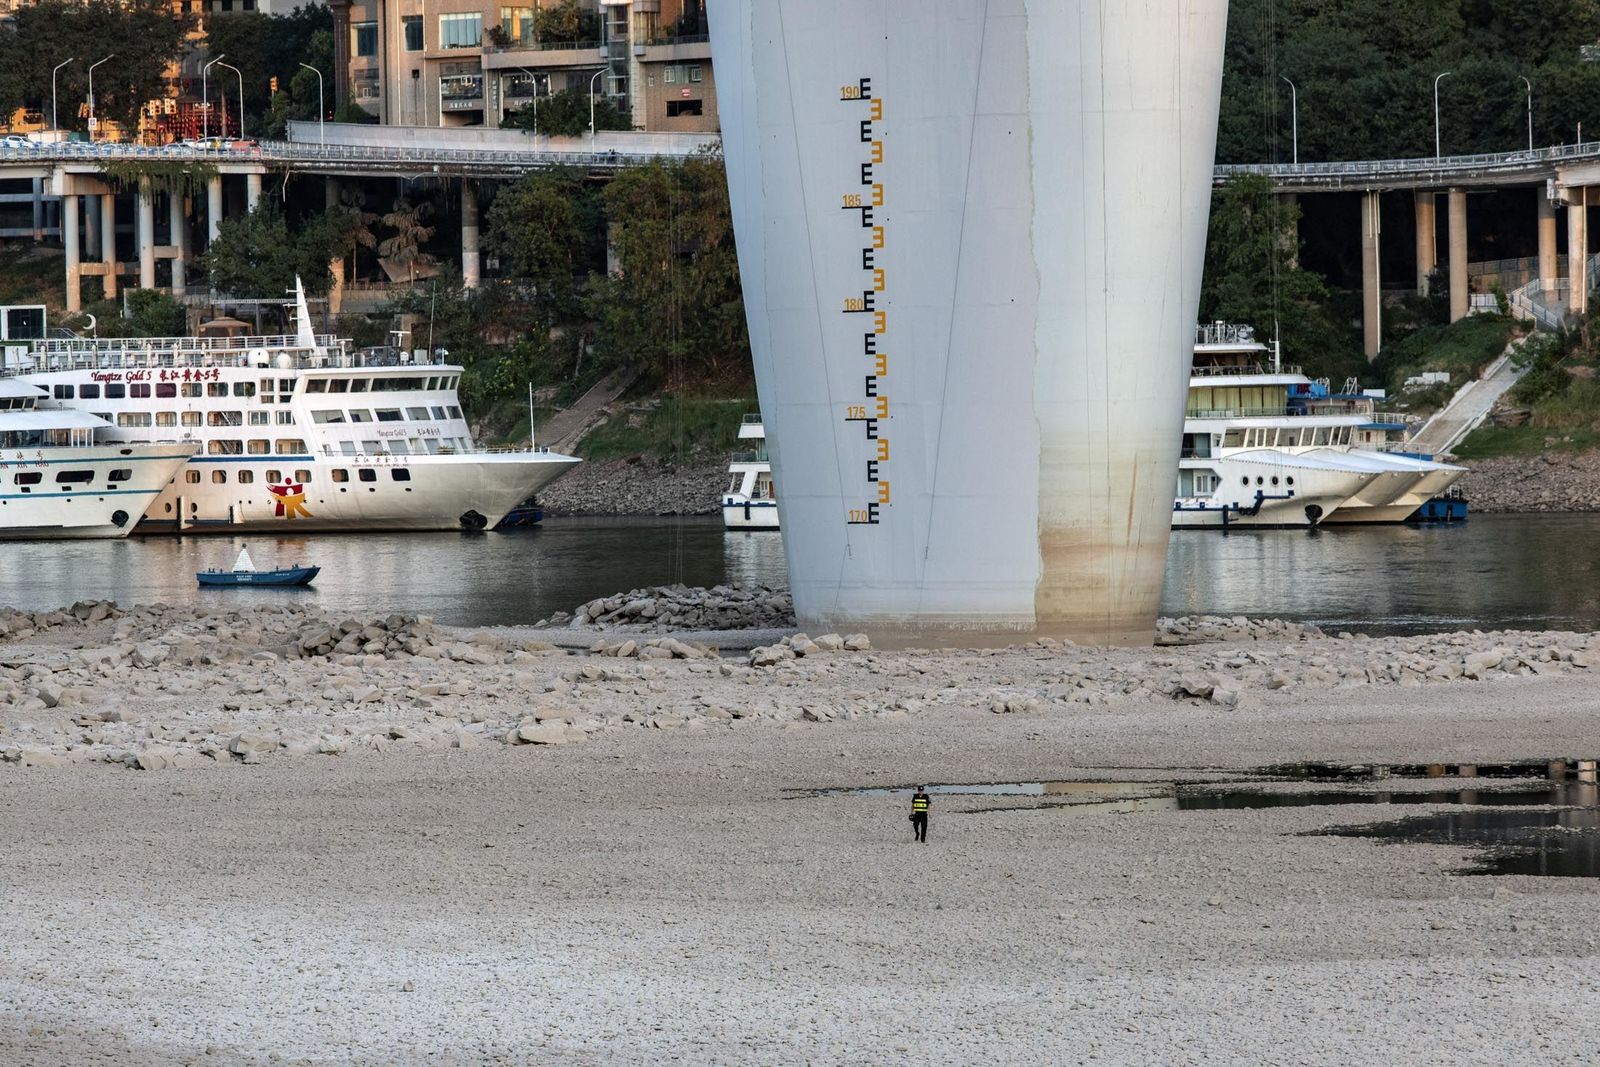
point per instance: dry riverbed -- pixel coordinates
(274, 836)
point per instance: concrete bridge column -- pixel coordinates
(38, 209)
(252, 190)
(1578, 249)
(108, 242)
(146, 234)
(69, 241)
(1460, 296)
(179, 224)
(91, 218)
(1371, 281)
(1549, 271)
(470, 272)
(1427, 239)
(213, 207)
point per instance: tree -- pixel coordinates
(264, 47)
(537, 229)
(411, 233)
(358, 225)
(147, 36)
(566, 114)
(254, 255)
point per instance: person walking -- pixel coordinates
(919, 814)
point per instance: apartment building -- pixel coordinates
(470, 63)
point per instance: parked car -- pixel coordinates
(16, 140)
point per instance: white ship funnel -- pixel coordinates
(970, 238)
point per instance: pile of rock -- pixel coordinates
(637, 486)
(657, 648)
(1551, 481)
(1203, 629)
(799, 646)
(678, 607)
(16, 625)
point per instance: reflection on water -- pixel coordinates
(507, 578)
(1494, 571)
(1554, 843)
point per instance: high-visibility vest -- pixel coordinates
(919, 804)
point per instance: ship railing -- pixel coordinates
(752, 419)
(759, 456)
(397, 458)
(1210, 371)
(1224, 333)
(1247, 413)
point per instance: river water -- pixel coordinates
(1531, 571)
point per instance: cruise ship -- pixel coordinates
(293, 432)
(751, 502)
(1264, 445)
(56, 482)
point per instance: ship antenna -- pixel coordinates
(1277, 348)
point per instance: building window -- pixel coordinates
(696, 73)
(518, 23)
(413, 31)
(364, 38)
(678, 108)
(463, 30)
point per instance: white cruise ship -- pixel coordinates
(1264, 445)
(293, 432)
(55, 482)
(751, 502)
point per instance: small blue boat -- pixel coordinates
(245, 573)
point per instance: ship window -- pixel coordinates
(191, 389)
(401, 474)
(246, 477)
(268, 398)
(1258, 479)
(338, 385)
(219, 477)
(266, 385)
(260, 418)
(88, 392)
(417, 413)
(1291, 438)
(1290, 479)
(455, 412)
(316, 385)
(133, 418)
(291, 446)
(166, 390)
(285, 385)
(1244, 481)
(327, 416)
(432, 383)
(116, 391)
(221, 446)
(166, 418)
(400, 448)
(367, 474)
(259, 446)
(340, 474)
(74, 477)
(359, 385)
(216, 389)
(389, 415)
(30, 478)
(191, 418)
(191, 477)
(224, 418)
(273, 476)
(63, 392)
(360, 415)
(1274, 479)
(372, 447)
(347, 448)
(139, 391)
(303, 476)
(440, 413)
(285, 418)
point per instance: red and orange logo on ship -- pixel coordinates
(289, 500)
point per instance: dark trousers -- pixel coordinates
(919, 826)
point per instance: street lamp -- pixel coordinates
(93, 125)
(1294, 112)
(534, 80)
(236, 70)
(54, 125)
(1529, 84)
(597, 76)
(205, 97)
(322, 130)
(1436, 82)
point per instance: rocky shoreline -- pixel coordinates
(1548, 482)
(636, 487)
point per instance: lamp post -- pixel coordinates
(1529, 84)
(205, 97)
(54, 125)
(236, 70)
(1436, 82)
(93, 125)
(1294, 113)
(597, 76)
(534, 80)
(322, 112)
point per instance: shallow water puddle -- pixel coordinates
(1554, 843)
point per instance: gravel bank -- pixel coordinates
(652, 887)
(1552, 481)
(637, 487)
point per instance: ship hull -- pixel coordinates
(124, 481)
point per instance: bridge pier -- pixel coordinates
(213, 207)
(145, 235)
(470, 262)
(108, 244)
(38, 209)
(1460, 295)
(252, 190)
(1578, 249)
(1371, 281)
(91, 218)
(178, 223)
(69, 241)
(1549, 272)
(1427, 239)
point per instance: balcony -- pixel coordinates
(461, 92)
